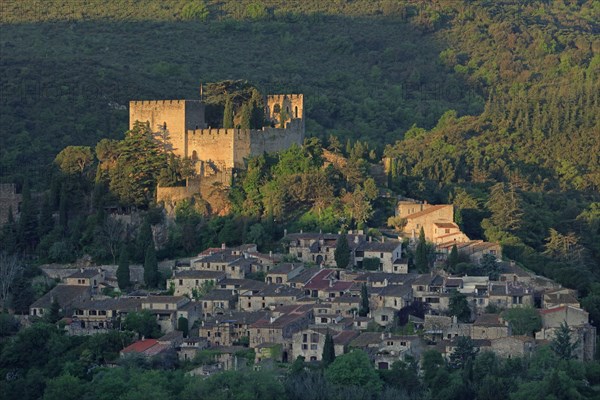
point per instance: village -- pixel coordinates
(228, 301)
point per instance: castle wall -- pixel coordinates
(213, 146)
(178, 115)
(271, 140)
(293, 104)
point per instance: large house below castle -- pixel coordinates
(217, 152)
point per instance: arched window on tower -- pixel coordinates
(164, 126)
(296, 111)
(194, 156)
(276, 109)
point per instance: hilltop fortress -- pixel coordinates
(217, 152)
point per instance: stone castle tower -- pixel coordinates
(217, 152)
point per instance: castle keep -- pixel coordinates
(217, 152)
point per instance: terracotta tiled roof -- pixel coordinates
(140, 346)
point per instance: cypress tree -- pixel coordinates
(8, 240)
(246, 116)
(421, 259)
(328, 350)
(46, 220)
(342, 252)
(27, 228)
(258, 110)
(182, 325)
(228, 114)
(143, 239)
(123, 274)
(364, 301)
(151, 267)
(453, 259)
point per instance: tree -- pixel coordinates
(151, 274)
(505, 204)
(143, 323)
(27, 229)
(143, 240)
(123, 273)
(228, 114)
(453, 259)
(182, 325)
(328, 350)
(342, 252)
(64, 387)
(489, 266)
(562, 344)
(364, 301)
(459, 306)
(246, 116)
(75, 159)
(354, 369)
(397, 222)
(10, 269)
(464, 352)
(54, 314)
(22, 295)
(422, 253)
(523, 320)
(112, 235)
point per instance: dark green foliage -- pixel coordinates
(523, 320)
(464, 352)
(228, 114)
(182, 325)
(422, 253)
(250, 385)
(459, 307)
(342, 252)
(245, 116)
(354, 369)
(123, 273)
(22, 295)
(562, 344)
(8, 324)
(143, 240)
(328, 351)
(143, 323)
(452, 259)
(27, 226)
(151, 274)
(53, 315)
(364, 301)
(371, 263)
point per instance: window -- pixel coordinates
(305, 337)
(390, 343)
(403, 344)
(304, 347)
(196, 282)
(249, 305)
(313, 346)
(93, 312)
(384, 318)
(166, 306)
(181, 282)
(102, 312)
(324, 320)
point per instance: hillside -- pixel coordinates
(68, 71)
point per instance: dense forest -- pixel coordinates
(492, 106)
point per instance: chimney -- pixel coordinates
(350, 232)
(223, 247)
(270, 253)
(301, 231)
(370, 239)
(382, 239)
(285, 232)
(356, 239)
(382, 335)
(81, 270)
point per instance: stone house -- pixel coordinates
(394, 297)
(489, 326)
(310, 342)
(236, 286)
(228, 329)
(280, 326)
(319, 248)
(217, 302)
(94, 316)
(165, 309)
(190, 347)
(383, 316)
(192, 311)
(388, 253)
(510, 295)
(429, 289)
(232, 265)
(282, 273)
(91, 277)
(65, 295)
(346, 305)
(186, 282)
(268, 298)
(513, 346)
(560, 297)
(442, 327)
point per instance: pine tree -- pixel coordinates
(421, 256)
(562, 344)
(328, 350)
(342, 252)
(151, 267)
(464, 352)
(228, 114)
(364, 301)
(258, 110)
(53, 315)
(123, 274)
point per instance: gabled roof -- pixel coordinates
(194, 274)
(428, 210)
(385, 247)
(140, 346)
(86, 273)
(65, 295)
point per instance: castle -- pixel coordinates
(217, 152)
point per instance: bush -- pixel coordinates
(195, 11)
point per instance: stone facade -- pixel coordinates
(216, 153)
